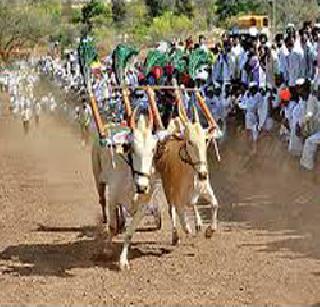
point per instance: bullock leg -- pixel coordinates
(109, 217)
(197, 222)
(214, 221)
(124, 261)
(102, 200)
(184, 222)
(173, 217)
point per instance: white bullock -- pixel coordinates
(125, 179)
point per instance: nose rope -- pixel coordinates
(129, 162)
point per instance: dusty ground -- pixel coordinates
(267, 249)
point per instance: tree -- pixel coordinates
(118, 11)
(91, 11)
(184, 7)
(296, 12)
(136, 13)
(228, 8)
(169, 26)
(22, 27)
(159, 7)
(205, 12)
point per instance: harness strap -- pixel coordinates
(188, 159)
(129, 162)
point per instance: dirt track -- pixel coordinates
(267, 249)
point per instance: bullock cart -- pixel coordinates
(125, 158)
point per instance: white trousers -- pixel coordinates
(309, 151)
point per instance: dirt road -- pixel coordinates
(267, 249)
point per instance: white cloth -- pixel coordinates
(296, 142)
(309, 151)
(262, 112)
(282, 56)
(37, 108)
(26, 115)
(294, 66)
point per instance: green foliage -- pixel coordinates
(169, 25)
(184, 7)
(228, 8)
(24, 26)
(156, 58)
(93, 14)
(140, 33)
(118, 11)
(122, 54)
(92, 9)
(296, 11)
(136, 13)
(76, 16)
(158, 7)
(87, 52)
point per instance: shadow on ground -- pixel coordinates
(270, 193)
(58, 259)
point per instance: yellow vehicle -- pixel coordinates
(252, 25)
(256, 21)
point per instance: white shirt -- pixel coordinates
(26, 115)
(37, 108)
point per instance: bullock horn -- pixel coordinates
(133, 119)
(127, 105)
(181, 109)
(204, 108)
(150, 119)
(154, 107)
(196, 115)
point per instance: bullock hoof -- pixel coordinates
(124, 265)
(175, 238)
(108, 253)
(209, 232)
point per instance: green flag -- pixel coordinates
(156, 58)
(87, 52)
(122, 54)
(198, 58)
(178, 60)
